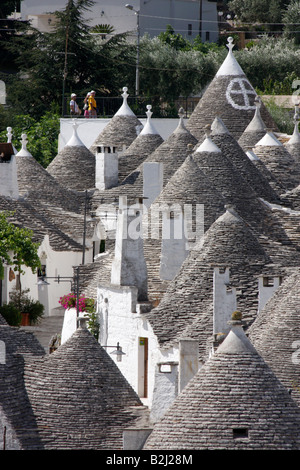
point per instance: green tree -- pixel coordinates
(51, 63)
(291, 20)
(177, 72)
(16, 246)
(7, 7)
(68, 59)
(42, 134)
(177, 41)
(262, 11)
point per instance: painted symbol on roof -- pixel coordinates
(240, 94)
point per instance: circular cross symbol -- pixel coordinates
(238, 93)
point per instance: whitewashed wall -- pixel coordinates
(121, 322)
(57, 263)
(8, 178)
(89, 129)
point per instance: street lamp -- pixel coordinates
(42, 282)
(118, 351)
(137, 77)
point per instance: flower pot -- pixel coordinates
(25, 321)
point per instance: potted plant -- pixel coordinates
(30, 310)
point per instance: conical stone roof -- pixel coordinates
(122, 129)
(229, 182)
(38, 187)
(230, 96)
(74, 165)
(25, 215)
(143, 146)
(80, 398)
(172, 153)
(275, 333)
(292, 198)
(234, 402)
(184, 308)
(255, 130)
(278, 160)
(231, 148)
(188, 189)
(15, 409)
(293, 144)
(277, 187)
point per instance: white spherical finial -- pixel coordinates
(125, 94)
(9, 134)
(230, 44)
(149, 112)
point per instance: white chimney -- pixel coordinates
(188, 361)
(224, 301)
(267, 285)
(152, 181)
(129, 266)
(106, 167)
(8, 171)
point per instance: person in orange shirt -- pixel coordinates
(92, 104)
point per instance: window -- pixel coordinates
(42, 271)
(143, 367)
(240, 433)
(190, 27)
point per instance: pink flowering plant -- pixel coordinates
(85, 304)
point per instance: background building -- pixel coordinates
(187, 17)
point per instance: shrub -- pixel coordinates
(24, 304)
(11, 314)
(281, 117)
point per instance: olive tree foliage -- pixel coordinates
(261, 11)
(167, 73)
(291, 20)
(275, 59)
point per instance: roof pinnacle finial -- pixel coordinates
(257, 102)
(230, 44)
(207, 130)
(125, 94)
(9, 134)
(24, 152)
(181, 112)
(24, 141)
(296, 114)
(149, 112)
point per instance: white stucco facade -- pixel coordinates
(57, 263)
(122, 322)
(89, 129)
(8, 178)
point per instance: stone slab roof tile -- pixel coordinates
(25, 215)
(74, 168)
(233, 402)
(275, 333)
(92, 404)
